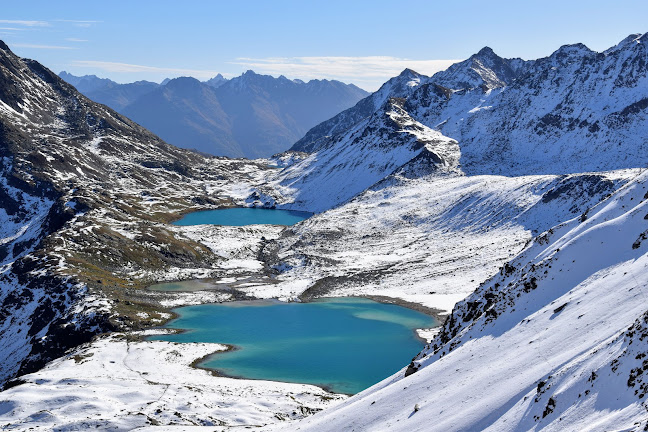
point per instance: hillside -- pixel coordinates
(77, 175)
(557, 340)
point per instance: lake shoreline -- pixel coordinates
(196, 364)
(347, 381)
(243, 216)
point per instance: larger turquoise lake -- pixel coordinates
(343, 344)
(241, 216)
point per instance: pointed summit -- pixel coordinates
(486, 52)
(409, 72)
(630, 40)
(484, 69)
(4, 46)
(216, 81)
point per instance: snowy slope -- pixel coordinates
(429, 239)
(359, 158)
(398, 87)
(555, 341)
(118, 384)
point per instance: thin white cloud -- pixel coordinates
(134, 68)
(370, 71)
(46, 47)
(11, 29)
(80, 23)
(26, 23)
(76, 40)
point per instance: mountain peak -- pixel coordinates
(628, 41)
(409, 73)
(217, 81)
(486, 52)
(484, 69)
(183, 84)
(572, 49)
(571, 53)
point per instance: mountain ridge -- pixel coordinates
(509, 114)
(252, 115)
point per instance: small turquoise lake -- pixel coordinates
(241, 216)
(343, 344)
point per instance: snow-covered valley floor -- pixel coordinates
(120, 383)
(431, 240)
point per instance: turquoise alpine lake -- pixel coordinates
(342, 344)
(240, 216)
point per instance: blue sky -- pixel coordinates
(364, 42)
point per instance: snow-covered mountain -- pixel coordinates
(574, 111)
(365, 154)
(397, 87)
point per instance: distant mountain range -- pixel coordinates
(248, 116)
